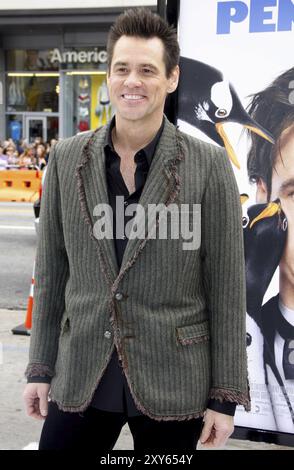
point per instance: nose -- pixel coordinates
(133, 80)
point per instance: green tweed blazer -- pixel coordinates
(177, 317)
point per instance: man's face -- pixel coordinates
(137, 79)
(283, 188)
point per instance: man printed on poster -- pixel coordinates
(271, 168)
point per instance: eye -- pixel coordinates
(245, 221)
(221, 113)
(146, 70)
(121, 70)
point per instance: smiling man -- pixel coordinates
(272, 169)
(138, 331)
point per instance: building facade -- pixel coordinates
(53, 68)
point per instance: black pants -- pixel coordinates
(98, 431)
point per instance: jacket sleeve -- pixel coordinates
(222, 252)
(51, 273)
(224, 407)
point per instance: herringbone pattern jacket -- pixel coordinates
(176, 316)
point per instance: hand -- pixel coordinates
(216, 430)
(36, 399)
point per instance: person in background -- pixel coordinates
(3, 158)
(41, 156)
(12, 154)
(23, 144)
(27, 158)
(38, 140)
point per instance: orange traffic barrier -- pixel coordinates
(28, 322)
(24, 328)
(20, 185)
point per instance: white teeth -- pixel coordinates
(133, 97)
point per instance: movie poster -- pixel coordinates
(237, 91)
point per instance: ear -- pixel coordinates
(107, 76)
(173, 79)
(261, 192)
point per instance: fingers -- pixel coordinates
(217, 438)
(207, 429)
(32, 408)
(43, 404)
(36, 400)
(217, 429)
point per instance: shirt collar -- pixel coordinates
(148, 150)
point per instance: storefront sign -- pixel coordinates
(82, 57)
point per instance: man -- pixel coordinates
(138, 330)
(272, 169)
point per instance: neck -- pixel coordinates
(287, 290)
(132, 136)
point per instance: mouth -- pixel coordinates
(134, 98)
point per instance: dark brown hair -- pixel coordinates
(273, 109)
(142, 23)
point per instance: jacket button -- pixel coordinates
(119, 296)
(107, 334)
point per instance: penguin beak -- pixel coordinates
(231, 152)
(249, 124)
(244, 197)
(271, 209)
(259, 130)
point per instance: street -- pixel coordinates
(17, 253)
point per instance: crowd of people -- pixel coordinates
(24, 155)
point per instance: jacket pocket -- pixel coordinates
(195, 333)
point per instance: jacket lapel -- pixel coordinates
(92, 184)
(162, 186)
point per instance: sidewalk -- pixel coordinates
(18, 430)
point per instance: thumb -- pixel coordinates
(206, 431)
(43, 396)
